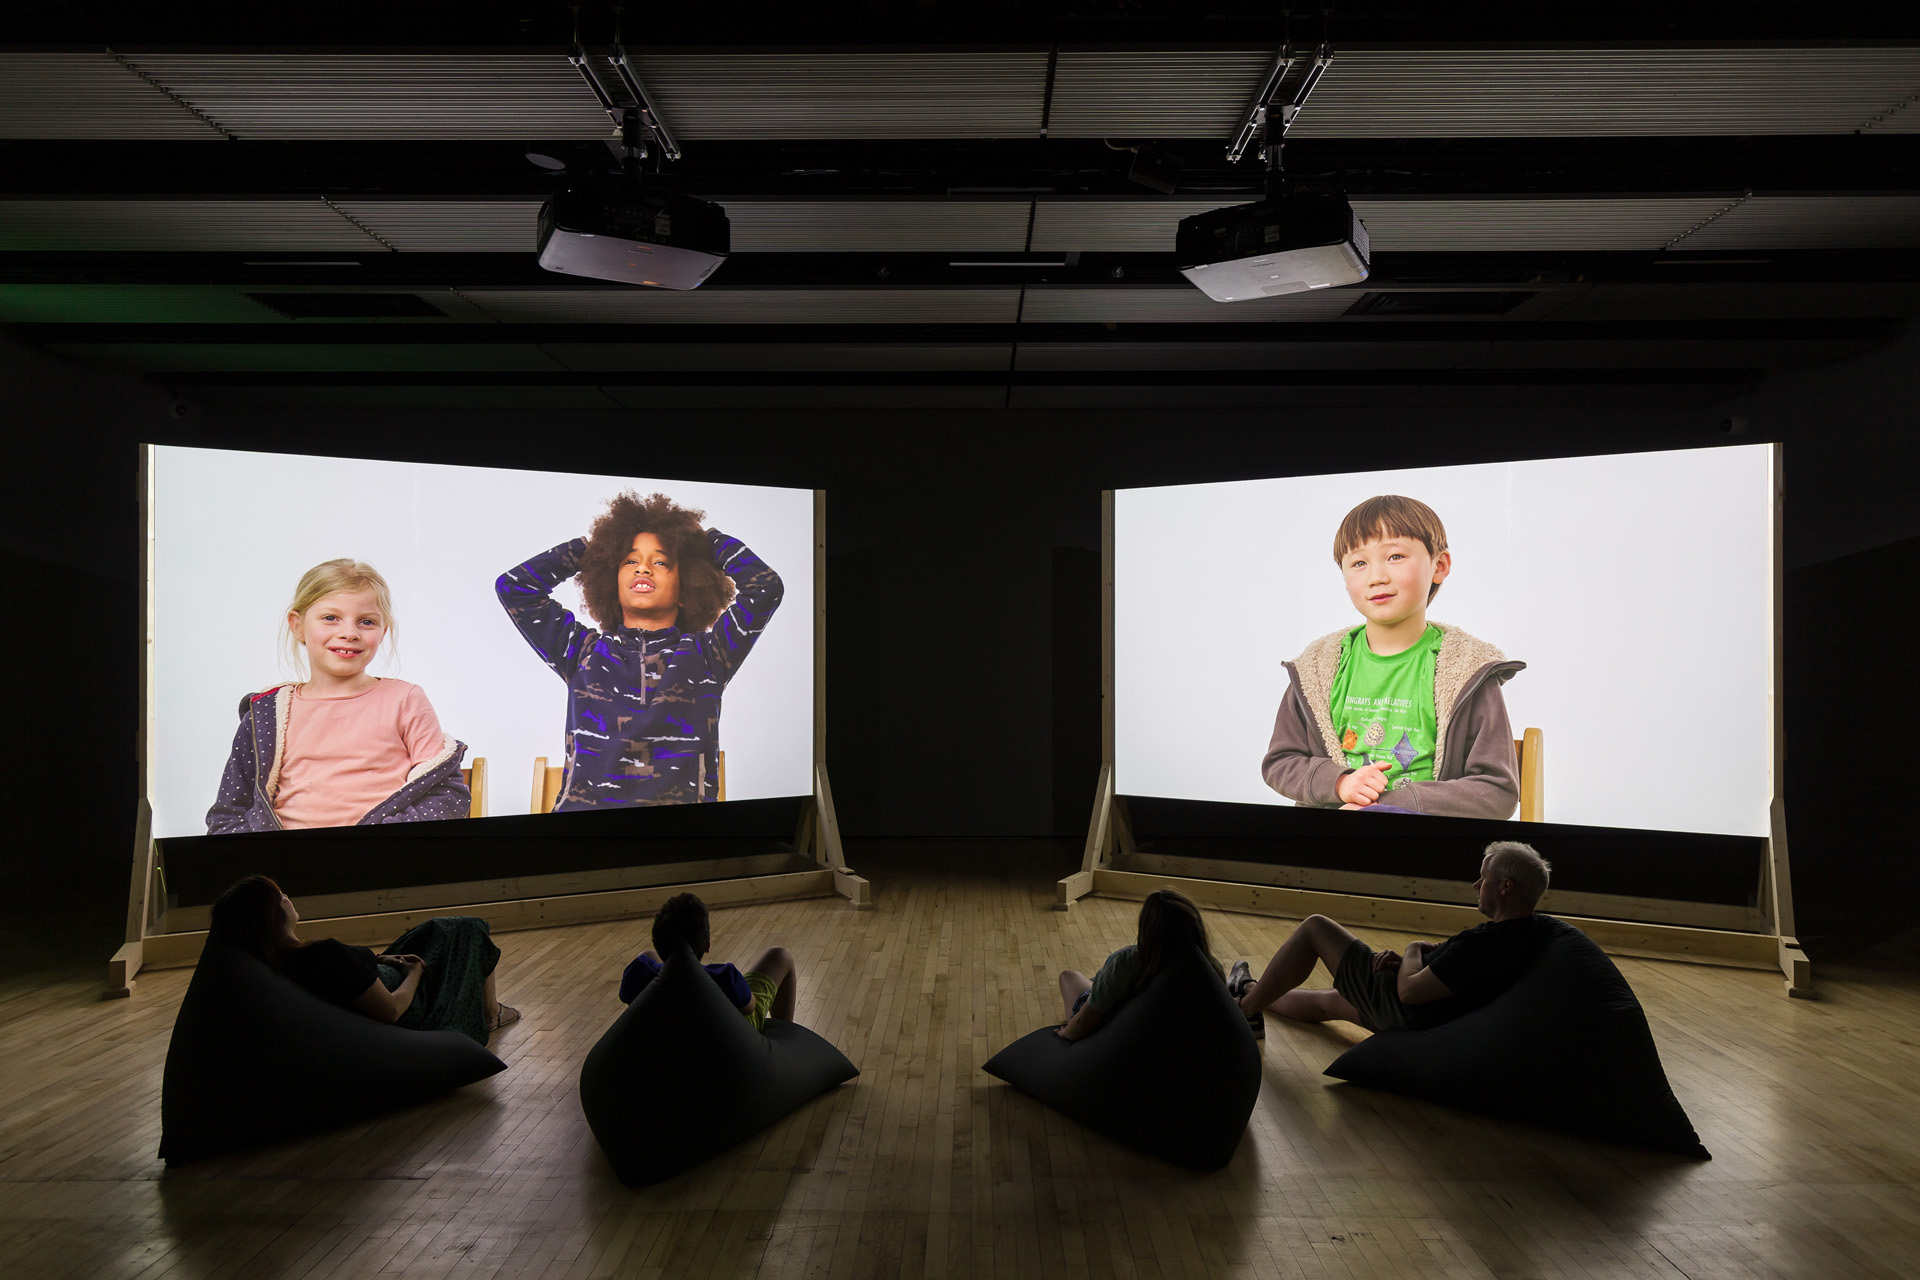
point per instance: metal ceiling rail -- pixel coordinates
(1177, 306)
(1403, 93)
(1447, 225)
(1411, 225)
(748, 306)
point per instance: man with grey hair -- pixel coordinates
(1423, 986)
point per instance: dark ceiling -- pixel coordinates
(931, 201)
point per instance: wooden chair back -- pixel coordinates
(547, 779)
(1529, 751)
(475, 776)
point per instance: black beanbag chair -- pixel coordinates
(681, 1076)
(1174, 1071)
(1566, 1047)
(255, 1058)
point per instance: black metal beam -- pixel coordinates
(1113, 271)
(1408, 333)
(759, 23)
(1204, 378)
(998, 170)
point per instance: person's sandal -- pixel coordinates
(507, 1016)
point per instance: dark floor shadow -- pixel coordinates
(1626, 1186)
(768, 1162)
(1084, 1176)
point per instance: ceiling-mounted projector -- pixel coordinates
(1284, 244)
(617, 231)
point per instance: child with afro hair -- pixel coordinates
(678, 608)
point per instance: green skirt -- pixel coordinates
(452, 993)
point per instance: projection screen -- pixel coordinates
(486, 647)
(1637, 590)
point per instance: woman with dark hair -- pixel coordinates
(1169, 920)
(678, 609)
(437, 974)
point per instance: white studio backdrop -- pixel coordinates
(1637, 588)
(234, 531)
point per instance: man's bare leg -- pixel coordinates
(1072, 983)
(1315, 1006)
(777, 963)
(1318, 939)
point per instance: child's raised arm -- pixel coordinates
(526, 593)
(758, 593)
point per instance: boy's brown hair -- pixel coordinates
(1391, 516)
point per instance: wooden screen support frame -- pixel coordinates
(1701, 933)
(816, 868)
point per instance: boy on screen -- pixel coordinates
(679, 608)
(1397, 713)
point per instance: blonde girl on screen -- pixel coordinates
(341, 747)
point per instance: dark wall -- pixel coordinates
(962, 573)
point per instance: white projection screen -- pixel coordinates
(232, 533)
(1637, 588)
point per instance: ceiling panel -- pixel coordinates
(367, 95)
(1487, 226)
(858, 226)
(88, 95)
(1153, 94)
(450, 226)
(1416, 93)
(748, 306)
(1112, 226)
(178, 226)
(1904, 118)
(1163, 306)
(848, 95)
(1813, 222)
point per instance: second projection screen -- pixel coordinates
(1369, 640)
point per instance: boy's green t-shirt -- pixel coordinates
(1383, 707)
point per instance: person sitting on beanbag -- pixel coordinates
(1168, 919)
(768, 989)
(1426, 985)
(437, 974)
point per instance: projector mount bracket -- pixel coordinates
(639, 123)
(1272, 112)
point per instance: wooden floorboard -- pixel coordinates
(927, 1167)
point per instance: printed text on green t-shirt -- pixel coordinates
(1382, 707)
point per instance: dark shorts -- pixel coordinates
(1376, 996)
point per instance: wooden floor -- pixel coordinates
(925, 1166)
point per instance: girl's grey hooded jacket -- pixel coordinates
(433, 790)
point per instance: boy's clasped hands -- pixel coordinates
(1363, 786)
